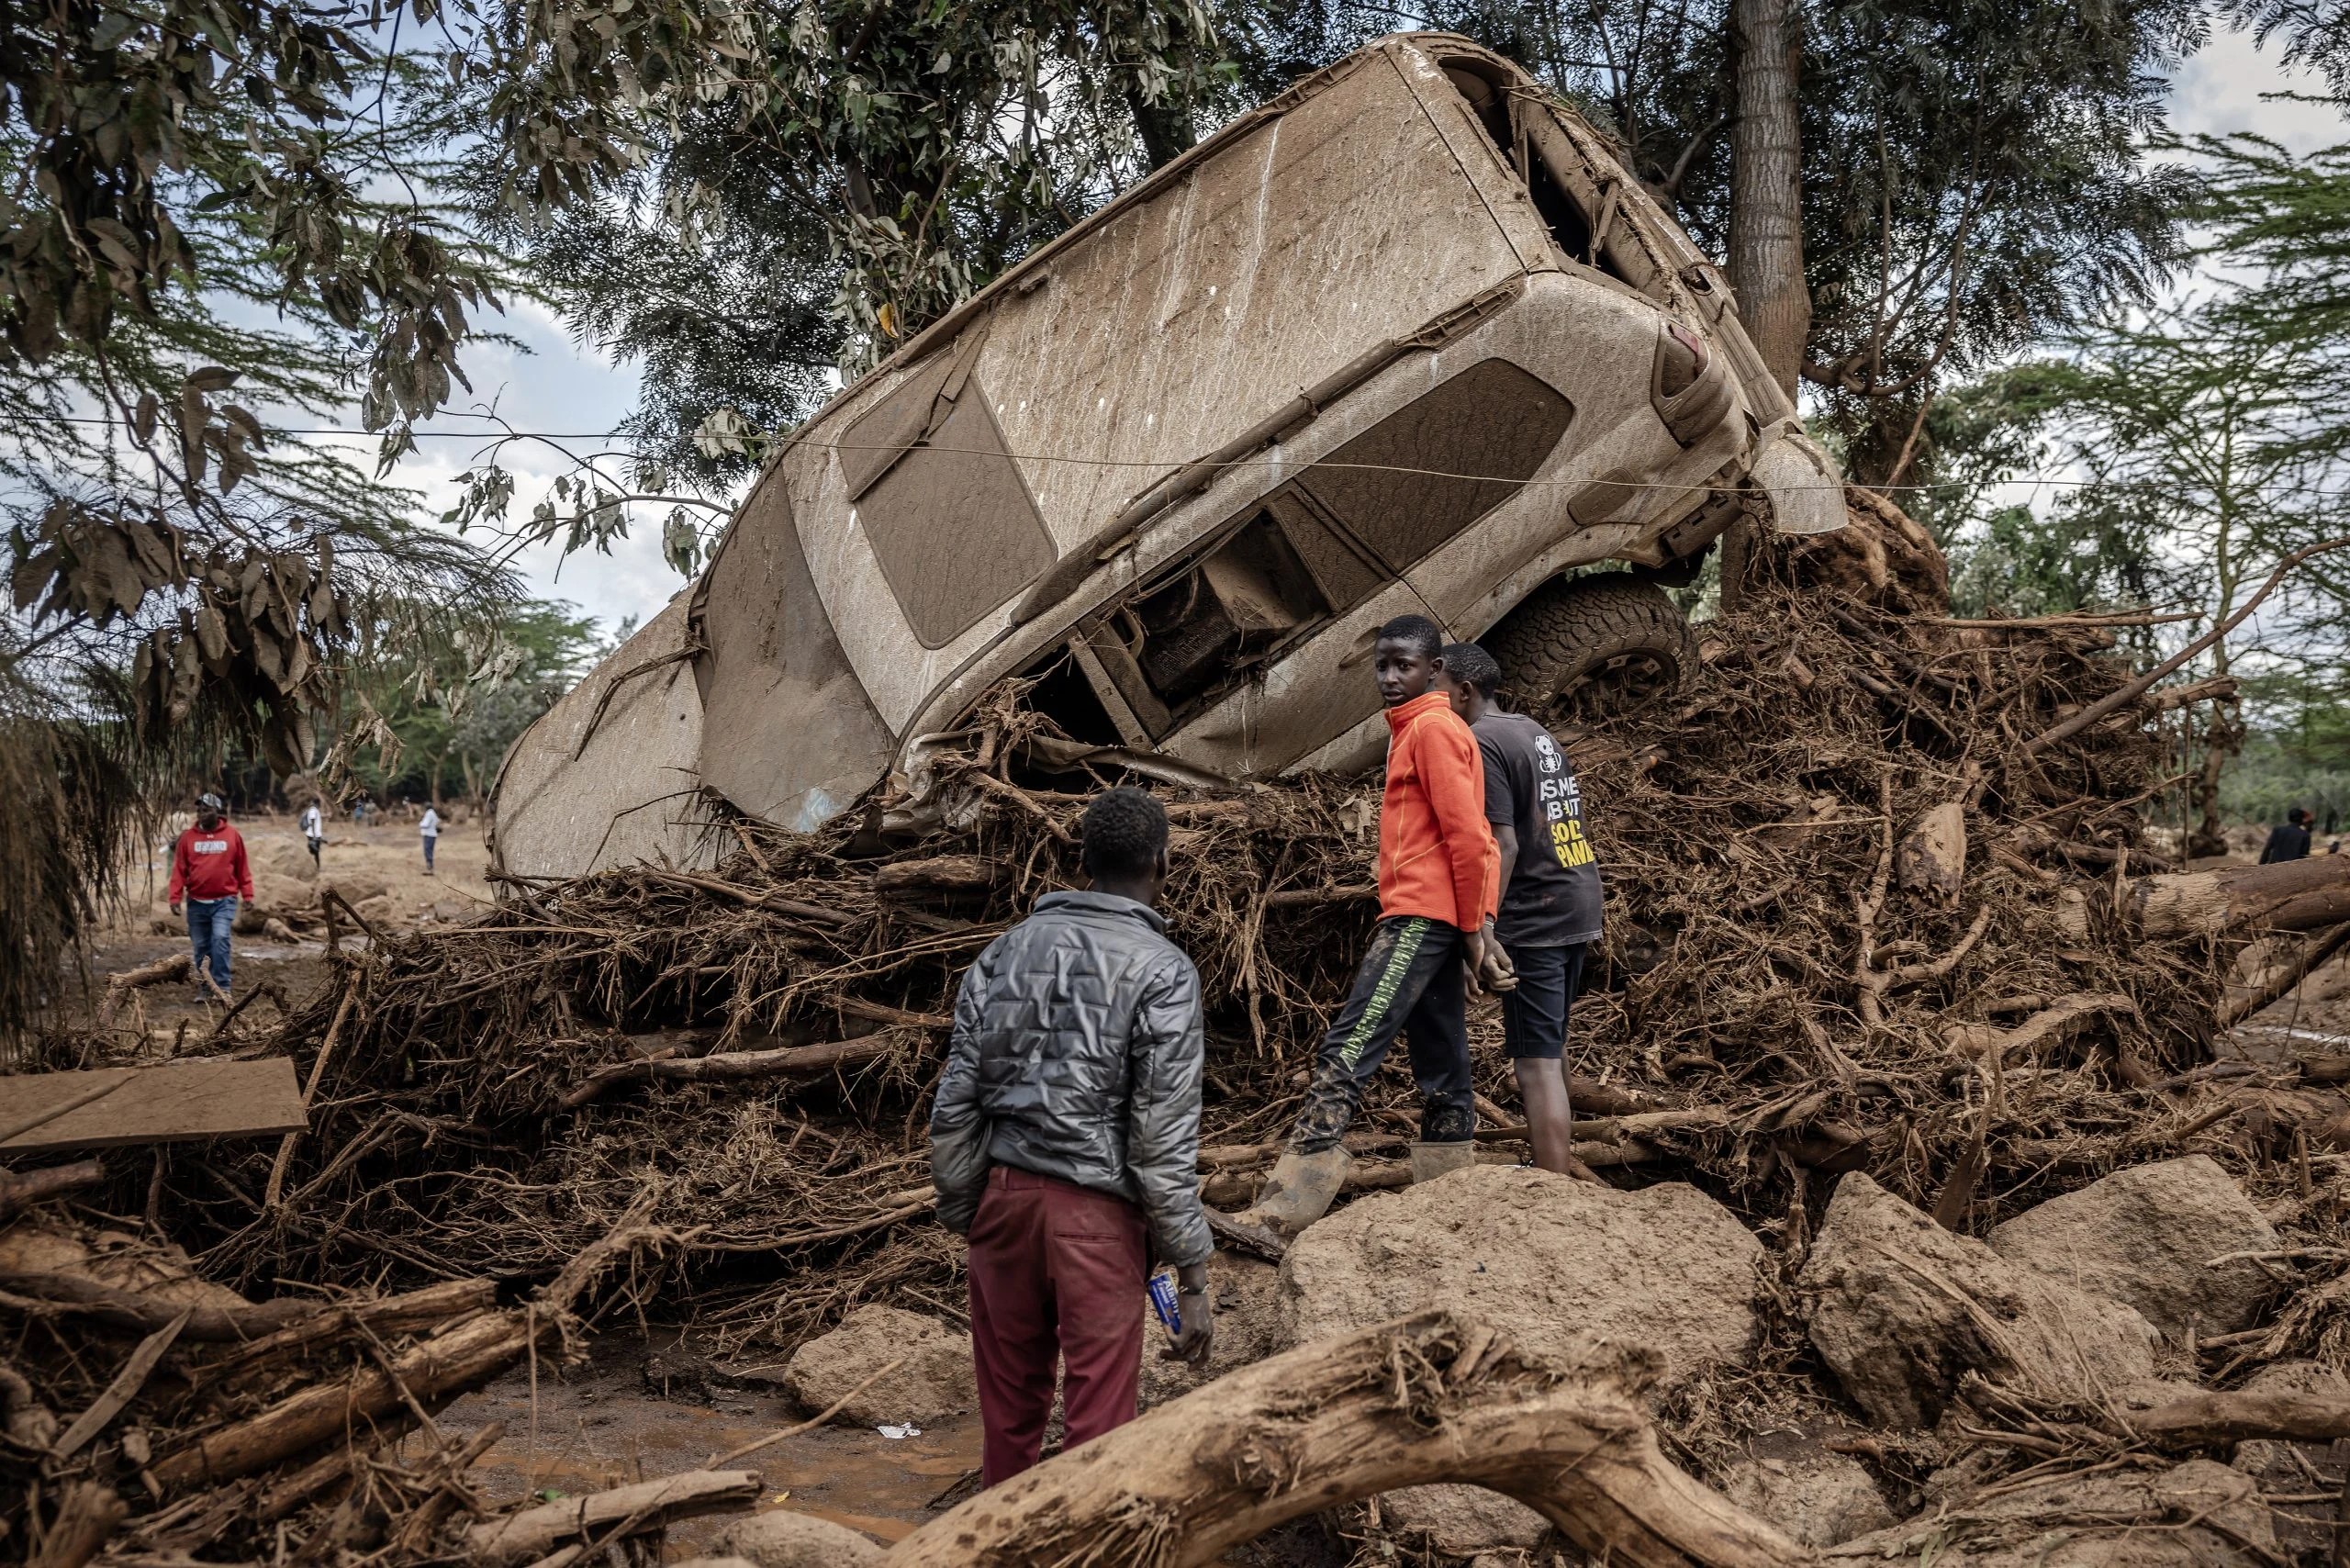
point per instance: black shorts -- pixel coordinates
(1534, 1016)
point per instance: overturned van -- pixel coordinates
(1407, 339)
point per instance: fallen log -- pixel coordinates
(406, 1314)
(2291, 895)
(624, 1510)
(159, 971)
(120, 1309)
(722, 1067)
(465, 1357)
(20, 1188)
(1438, 1396)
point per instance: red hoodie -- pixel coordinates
(1436, 855)
(207, 866)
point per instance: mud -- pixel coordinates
(607, 1423)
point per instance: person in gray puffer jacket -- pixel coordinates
(1064, 1142)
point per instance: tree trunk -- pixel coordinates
(2221, 740)
(1164, 128)
(2291, 895)
(1438, 1396)
(1766, 188)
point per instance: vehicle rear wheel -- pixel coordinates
(1590, 647)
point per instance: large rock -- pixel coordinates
(2200, 1515)
(1563, 1266)
(290, 858)
(1460, 1521)
(936, 1382)
(1899, 1308)
(2144, 1235)
(781, 1538)
(1820, 1498)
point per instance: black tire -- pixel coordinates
(1590, 647)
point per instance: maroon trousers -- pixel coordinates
(1056, 1274)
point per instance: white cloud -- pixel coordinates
(2230, 87)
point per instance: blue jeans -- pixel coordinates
(209, 921)
(430, 840)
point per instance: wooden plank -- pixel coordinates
(168, 1104)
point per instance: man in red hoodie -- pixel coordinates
(1439, 876)
(210, 870)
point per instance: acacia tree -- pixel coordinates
(2202, 434)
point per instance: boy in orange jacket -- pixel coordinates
(1439, 876)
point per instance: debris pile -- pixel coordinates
(1883, 922)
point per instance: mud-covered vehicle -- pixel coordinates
(1405, 338)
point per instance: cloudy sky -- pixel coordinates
(554, 384)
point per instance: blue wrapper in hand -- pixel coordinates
(1162, 1302)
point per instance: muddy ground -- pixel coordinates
(384, 853)
(644, 1407)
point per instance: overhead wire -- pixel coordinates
(502, 434)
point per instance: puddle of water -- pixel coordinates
(600, 1426)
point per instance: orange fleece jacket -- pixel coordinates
(1436, 853)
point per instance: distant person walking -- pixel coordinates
(314, 828)
(2288, 840)
(211, 873)
(1065, 1143)
(430, 827)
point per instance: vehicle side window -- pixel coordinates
(943, 506)
(1438, 464)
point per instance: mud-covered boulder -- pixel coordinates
(1460, 1521)
(1818, 1498)
(782, 1539)
(290, 858)
(1564, 1267)
(937, 1381)
(1901, 1308)
(2199, 1515)
(2145, 1236)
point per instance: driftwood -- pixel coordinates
(120, 1309)
(783, 1061)
(624, 1510)
(159, 971)
(2273, 982)
(1438, 1396)
(432, 1369)
(2199, 1419)
(122, 1390)
(2291, 895)
(88, 1513)
(940, 873)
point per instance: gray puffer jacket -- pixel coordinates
(1078, 1052)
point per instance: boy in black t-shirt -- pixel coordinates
(1550, 892)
